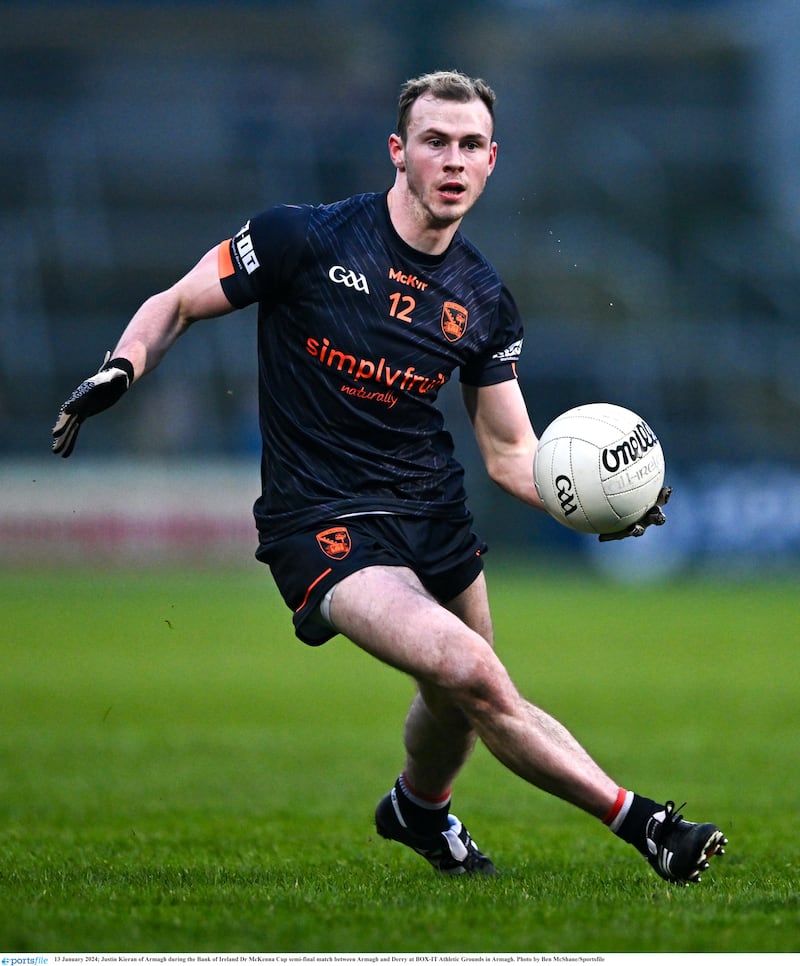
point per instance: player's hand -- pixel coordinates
(654, 517)
(94, 394)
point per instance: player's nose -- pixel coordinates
(454, 159)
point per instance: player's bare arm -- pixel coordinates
(147, 337)
(505, 437)
(167, 315)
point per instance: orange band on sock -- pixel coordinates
(614, 810)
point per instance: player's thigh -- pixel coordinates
(388, 613)
(472, 607)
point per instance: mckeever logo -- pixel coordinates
(346, 276)
(404, 278)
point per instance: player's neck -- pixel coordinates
(416, 226)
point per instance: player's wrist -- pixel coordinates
(120, 362)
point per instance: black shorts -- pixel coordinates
(445, 556)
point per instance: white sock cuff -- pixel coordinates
(422, 802)
(619, 818)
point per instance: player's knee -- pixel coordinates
(479, 685)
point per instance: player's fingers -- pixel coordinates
(61, 423)
(655, 517)
(65, 432)
(619, 534)
(70, 438)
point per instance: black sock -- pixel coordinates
(633, 827)
(421, 816)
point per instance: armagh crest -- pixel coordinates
(454, 321)
(335, 542)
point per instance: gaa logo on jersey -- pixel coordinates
(335, 542)
(349, 278)
(454, 321)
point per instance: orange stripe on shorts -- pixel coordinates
(311, 586)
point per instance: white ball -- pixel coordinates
(598, 468)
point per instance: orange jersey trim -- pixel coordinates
(224, 260)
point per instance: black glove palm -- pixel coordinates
(654, 517)
(94, 394)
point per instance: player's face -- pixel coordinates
(446, 157)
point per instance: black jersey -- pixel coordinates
(357, 333)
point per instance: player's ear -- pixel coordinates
(397, 152)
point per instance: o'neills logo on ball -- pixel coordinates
(631, 449)
(335, 542)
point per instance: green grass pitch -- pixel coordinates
(180, 775)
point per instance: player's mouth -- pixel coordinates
(452, 190)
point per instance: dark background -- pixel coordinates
(645, 212)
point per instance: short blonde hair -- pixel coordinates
(449, 85)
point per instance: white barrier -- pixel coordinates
(88, 512)
(743, 518)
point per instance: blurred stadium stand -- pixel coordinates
(645, 210)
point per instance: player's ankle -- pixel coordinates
(422, 813)
(628, 818)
